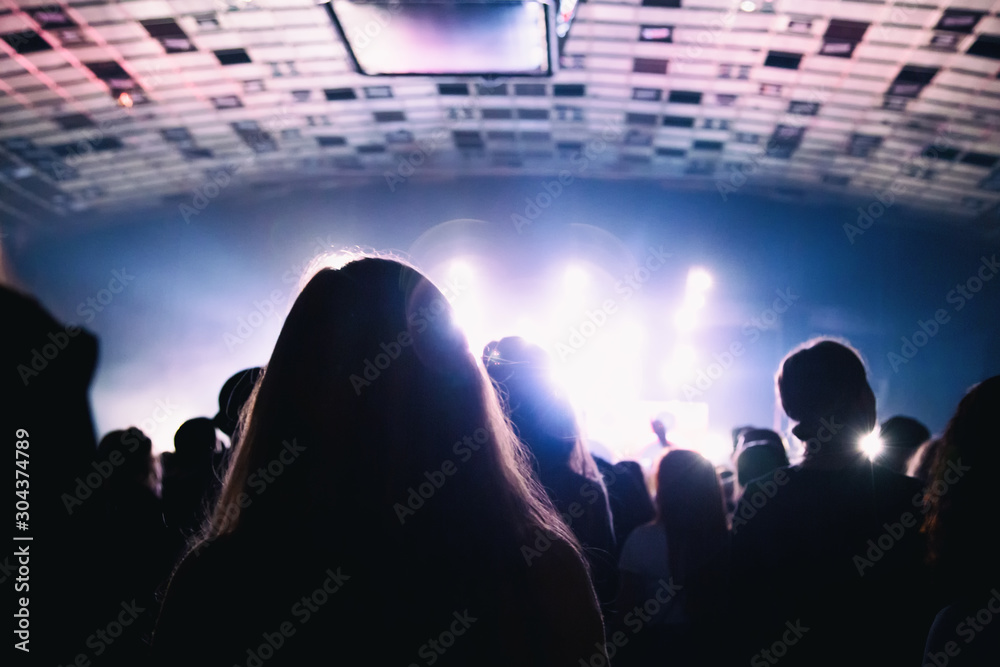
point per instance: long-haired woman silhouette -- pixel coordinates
(379, 504)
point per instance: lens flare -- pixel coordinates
(871, 444)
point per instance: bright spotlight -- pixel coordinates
(576, 277)
(460, 272)
(871, 444)
(699, 280)
(748, 6)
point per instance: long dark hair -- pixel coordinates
(691, 508)
(961, 491)
(371, 381)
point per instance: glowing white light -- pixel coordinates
(468, 317)
(460, 272)
(748, 6)
(716, 447)
(576, 277)
(871, 444)
(527, 328)
(686, 319)
(685, 355)
(699, 280)
(631, 333)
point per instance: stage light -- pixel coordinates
(871, 444)
(460, 272)
(748, 6)
(467, 316)
(699, 280)
(125, 100)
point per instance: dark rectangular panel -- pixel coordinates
(389, 116)
(453, 89)
(533, 114)
(232, 56)
(340, 94)
(331, 141)
(783, 59)
(26, 41)
(640, 119)
(649, 66)
(684, 97)
(497, 114)
(987, 46)
(529, 89)
(569, 90)
(678, 121)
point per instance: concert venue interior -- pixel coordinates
(663, 198)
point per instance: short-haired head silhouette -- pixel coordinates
(823, 385)
(901, 438)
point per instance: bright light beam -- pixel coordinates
(871, 444)
(699, 280)
(460, 272)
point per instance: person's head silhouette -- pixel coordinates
(542, 415)
(823, 385)
(233, 396)
(901, 438)
(371, 387)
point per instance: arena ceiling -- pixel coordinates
(105, 105)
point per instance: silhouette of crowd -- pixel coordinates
(449, 512)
